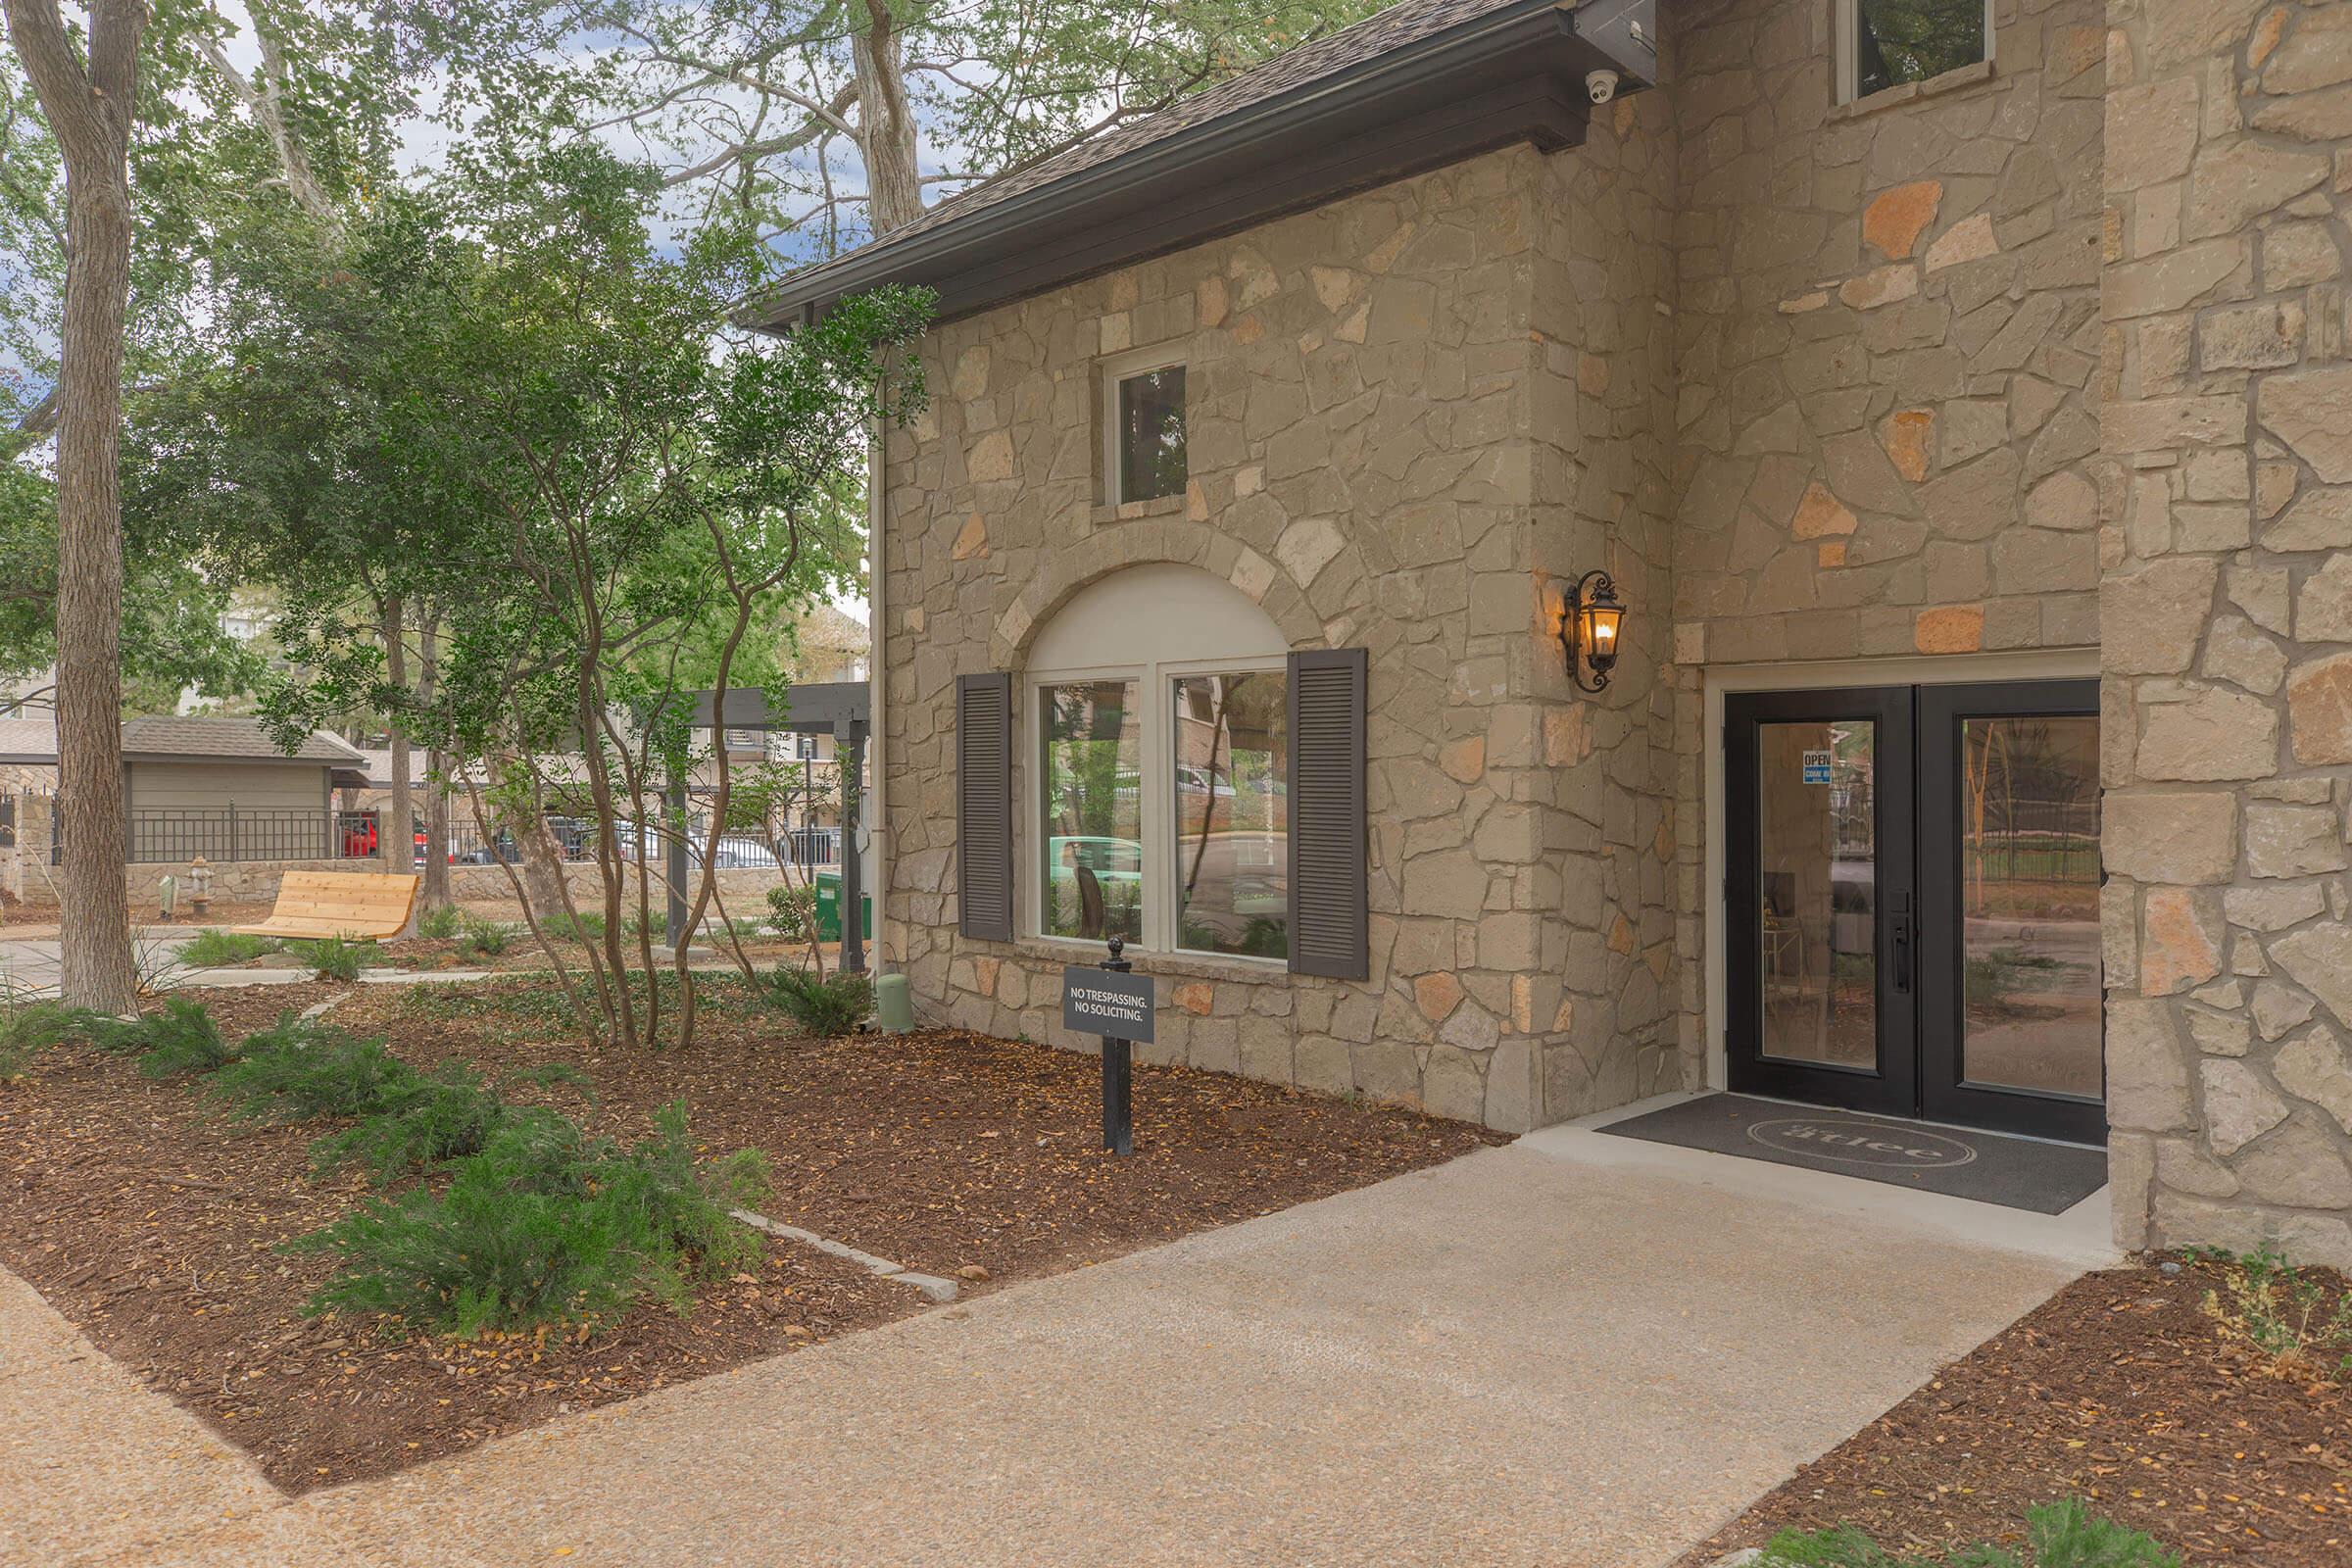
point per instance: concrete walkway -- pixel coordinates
(1577, 1350)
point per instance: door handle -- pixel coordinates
(1902, 953)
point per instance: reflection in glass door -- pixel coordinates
(1818, 862)
(1817, 891)
(1912, 890)
(2010, 808)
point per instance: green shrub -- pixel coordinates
(544, 1225)
(216, 948)
(440, 922)
(26, 1027)
(443, 1115)
(2062, 1534)
(2281, 1315)
(588, 926)
(299, 1068)
(181, 1037)
(335, 957)
(832, 1005)
(792, 911)
(483, 939)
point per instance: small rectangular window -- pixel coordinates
(1148, 434)
(1093, 883)
(1889, 42)
(1232, 852)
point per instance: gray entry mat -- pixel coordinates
(1986, 1167)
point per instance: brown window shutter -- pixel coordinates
(984, 806)
(1330, 927)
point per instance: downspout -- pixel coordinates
(872, 801)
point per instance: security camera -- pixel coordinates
(1601, 85)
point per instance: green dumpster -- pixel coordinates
(828, 908)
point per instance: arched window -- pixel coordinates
(1159, 768)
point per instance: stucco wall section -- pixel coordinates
(2227, 656)
(1365, 385)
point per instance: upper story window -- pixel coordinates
(1885, 43)
(1144, 421)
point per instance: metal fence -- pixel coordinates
(168, 834)
(575, 842)
(175, 835)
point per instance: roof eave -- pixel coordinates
(1514, 75)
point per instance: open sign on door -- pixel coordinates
(1817, 767)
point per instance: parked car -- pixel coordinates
(500, 850)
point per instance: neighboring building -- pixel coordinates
(218, 787)
(1957, 393)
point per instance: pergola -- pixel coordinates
(841, 708)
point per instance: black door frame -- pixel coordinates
(1945, 1094)
(1891, 1086)
(1915, 800)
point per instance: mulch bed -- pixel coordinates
(2119, 1389)
(150, 1222)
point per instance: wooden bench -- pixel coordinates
(339, 904)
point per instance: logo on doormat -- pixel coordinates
(1861, 1143)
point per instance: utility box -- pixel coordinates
(828, 909)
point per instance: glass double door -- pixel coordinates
(1912, 886)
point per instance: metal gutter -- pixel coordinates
(1512, 75)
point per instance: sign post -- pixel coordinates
(1115, 1003)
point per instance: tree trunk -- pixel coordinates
(396, 837)
(894, 186)
(88, 107)
(436, 788)
(541, 861)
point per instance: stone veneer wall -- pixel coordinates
(1365, 386)
(2227, 616)
(1603, 486)
(1888, 335)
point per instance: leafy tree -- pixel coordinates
(808, 118)
(633, 493)
(118, 145)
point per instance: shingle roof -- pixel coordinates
(174, 735)
(33, 741)
(1369, 40)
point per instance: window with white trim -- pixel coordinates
(1885, 43)
(1160, 790)
(1143, 427)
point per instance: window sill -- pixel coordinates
(1133, 511)
(1181, 966)
(1952, 80)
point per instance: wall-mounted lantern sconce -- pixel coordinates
(1588, 625)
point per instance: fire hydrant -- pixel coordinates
(200, 884)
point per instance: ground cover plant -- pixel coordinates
(153, 1217)
(179, 1038)
(29, 1027)
(2124, 1391)
(544, 1225)
(2060, 1535)
(213, 949)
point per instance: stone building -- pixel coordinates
(1954, 394)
